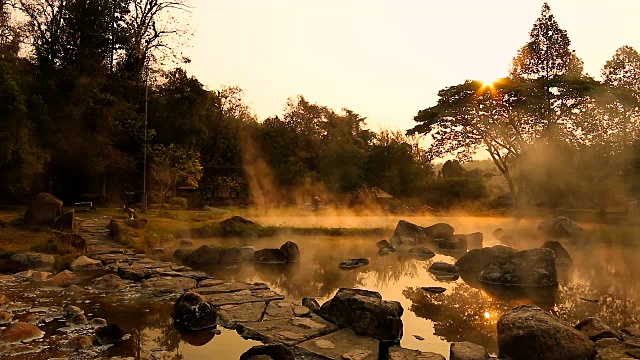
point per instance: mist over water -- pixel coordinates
(603, 270)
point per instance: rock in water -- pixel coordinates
(32, 261)
(270, 256)
(433, 289)
(408, 233)
(290, 251)
(20, 332)
(353, 263)
(230, 255)
(442, 269)
(535, 267)
(365, 313)
(110, 334)
(204, 254)
(563, 228)
(383, 244)
(398, 353)
(467, 351)
(248, 252)
(192, 312)
(530, 333)
(478, 259)
(83, 263)
(474, 241)
(421, 253)
(268, 352)
(596, 329)
(439, 231)
(43, 210)
(562, 256)
(311, 304)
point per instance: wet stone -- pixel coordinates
(110, 334)
(83, 263)
(17, 349)
(78, 319)
(5, 317)
(467, 351)
(109, 282)
(279, 309)
(244, 296)
(286, 331)
(596, 329)
(342, 344)
(32, 319)
(398, 353)
(170, 284)
(20, 332)
(63, 279)
(311, 304)
(230, 315)
(301, 311)
(98, 322)
(80, 342)
(228, 287)
(41, 276)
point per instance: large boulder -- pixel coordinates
(530, 333)
(535, 267)
(562, 228)
(65, 221)
(290, 251)
(408, 233)
(192, 312)
(365, 313)
(270, 256)
(439, 231)
(32, 261)
(204, 254)
(478, 259)
(562, 256)
(43, 210)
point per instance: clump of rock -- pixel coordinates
(530, 333)
(562, 228)
(192, 312)
(535, 267)
(364, 312)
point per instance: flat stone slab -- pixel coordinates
(170, 284)
(279, 309)
(241, 297)
(228, 287)
(342, 345)
(230, 315)
(398, 353)
(286, 331)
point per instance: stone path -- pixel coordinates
(252, 309)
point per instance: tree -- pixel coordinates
(173, 164)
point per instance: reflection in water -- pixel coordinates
(468, 310)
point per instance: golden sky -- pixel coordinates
(385, 59)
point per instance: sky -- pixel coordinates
(384, 59)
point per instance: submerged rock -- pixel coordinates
(398, 353)
(478, 259)
(365, 313)
(110, 334)
(467, 351)
(530, 333)
(353, 263)
(443, 269)
(562, 256)
(421, 253)
(63, 279)
(192, 312)
(536, 267)
(270, 256)
(290, 251)
(110, 282)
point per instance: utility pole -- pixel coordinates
(146, 116)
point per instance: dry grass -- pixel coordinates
(14, 238)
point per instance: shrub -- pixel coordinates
(178, 202)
